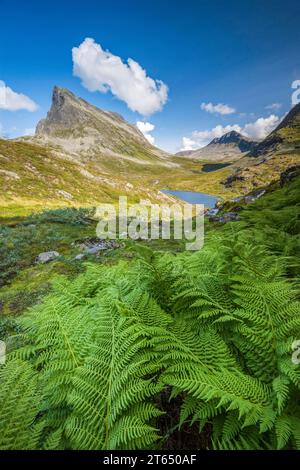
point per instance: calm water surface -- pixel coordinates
(193, 197)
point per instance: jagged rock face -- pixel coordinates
(228, 148)
(83, 129)
(233, 137)
(65, 113)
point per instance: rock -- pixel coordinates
(227, 217)
(79, 257)
(94, 245)
(230, 216)
(65, 194)
(250, 197)
(10, 174)
(228, 182)
(289, 174)
(47, 256)
(238, 199)
(212, 212)
(93, 250)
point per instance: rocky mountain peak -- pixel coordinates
(234, 138)
(59, 97)
(81, 128)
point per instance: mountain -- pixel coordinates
(228, 148)
(83, 156)
(278, 152)
(85, 131)
(286, 136)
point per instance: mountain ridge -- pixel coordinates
(284, 136)
(86, 131)
(229, 147)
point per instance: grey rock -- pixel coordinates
(79, 257)
(231, 179)
(212, 212)
(227, 217)
(94, 246)
(47, 256)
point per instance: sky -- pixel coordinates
(183, 71)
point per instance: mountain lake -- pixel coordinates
(193, 197)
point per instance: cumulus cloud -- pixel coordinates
(30, 131)
(201, 138)
(146, 128)
(189, 144)
(217, 108)
(273, 106)
(259, 129)
(256, 130)
(102, 71)
(12, 101)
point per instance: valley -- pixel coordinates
(150, 315)
(81, 156)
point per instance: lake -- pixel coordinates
(208, 167)
(193, 197)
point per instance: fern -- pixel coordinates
(214, 330)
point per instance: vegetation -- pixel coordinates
(34, 178)
(140, 351)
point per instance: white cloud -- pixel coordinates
(189, 144)
(256, 130)
(217, 108)
(102, 71)
(259, 129)
(202, 138)
(146, 128)
(12, 101)
(273, 106)
(30, 131)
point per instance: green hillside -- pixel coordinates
(208, 333)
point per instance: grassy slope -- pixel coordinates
(259, 175)
(272, 220)
(32, 178)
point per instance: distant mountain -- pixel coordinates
(82, 155)
(229, 147)
(286, 136)
(82, 129)
(278, 152)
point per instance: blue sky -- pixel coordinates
(240, 54)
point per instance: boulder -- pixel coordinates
(227, 217)
(79, 257)
(47, 256)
